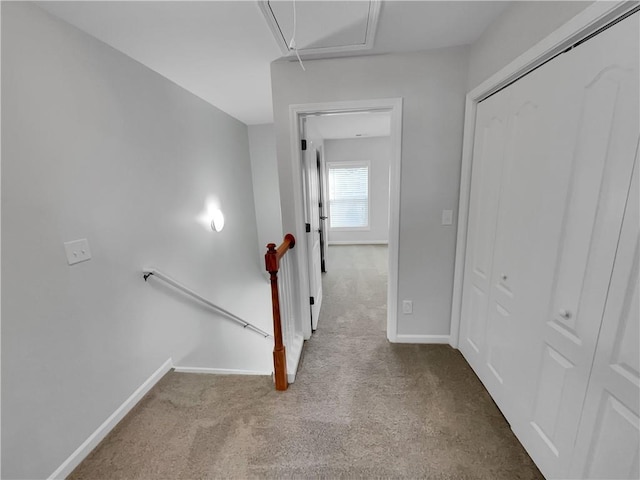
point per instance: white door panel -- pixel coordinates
(483, 205)
(529, 221)
(608, 440)
(601, 158)
(324, 211)
(313, 236)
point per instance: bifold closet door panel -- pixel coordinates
(608, 439)
(518, 180)
(483, 209)
(535, 177)
(601, 87)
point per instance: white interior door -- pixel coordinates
(563, 140)
(608, 440)
(602, 103)
(491, 119)
(518, 185)
(312, 194)
(324, 211)
(528, 224)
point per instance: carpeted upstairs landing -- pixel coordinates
(360, 407)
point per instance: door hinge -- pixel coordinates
(304, 144)
(312, 300)
(307, 227)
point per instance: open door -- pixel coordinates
(324, 211)
(312, 213)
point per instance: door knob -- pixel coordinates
(566, 314)
(323, 218)
(503, 276)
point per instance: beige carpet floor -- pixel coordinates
(360, 407)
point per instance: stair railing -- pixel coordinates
(282, 304)
(148, 272)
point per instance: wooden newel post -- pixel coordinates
(272, 261)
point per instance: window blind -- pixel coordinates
(348, 196)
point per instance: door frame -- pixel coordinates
(586, 23)
(394, 106)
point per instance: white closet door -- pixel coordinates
(608, 439)
(604, 73)
(533, 185)
(483, 210)
(553, 157)
(517, 181)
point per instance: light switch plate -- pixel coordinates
(77, 251)
(447, 217)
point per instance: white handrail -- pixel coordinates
(147, 272)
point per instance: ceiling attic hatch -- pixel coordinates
(324, 28)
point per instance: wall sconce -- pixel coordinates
(217, 220)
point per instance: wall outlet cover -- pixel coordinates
(77, 251)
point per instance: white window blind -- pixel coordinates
(348, 195)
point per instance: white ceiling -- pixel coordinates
(222, 50)
(350, 125)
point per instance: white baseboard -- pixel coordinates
(220, 371)
(422, 339)
(358, 242)
(103, 430)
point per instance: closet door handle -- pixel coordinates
(566, 314)
(503, 277)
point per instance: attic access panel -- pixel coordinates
(323, 27)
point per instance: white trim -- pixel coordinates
(294, 353)
(358, 242)
(395, 106)
(103, 430)
(431, 339)
(350, 229)
(582, 25)
(220, 371)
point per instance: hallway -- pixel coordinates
(360, 407)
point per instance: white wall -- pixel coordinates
(377, 150)
(96, 146)
(433, 85)
(266, 190)
(520, 27)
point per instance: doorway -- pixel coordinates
(313, 166)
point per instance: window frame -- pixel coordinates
(350, 164)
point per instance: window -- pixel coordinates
(349, 195)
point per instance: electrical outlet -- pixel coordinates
(77, 251)
(407, 307)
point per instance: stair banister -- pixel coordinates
(272, 262)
